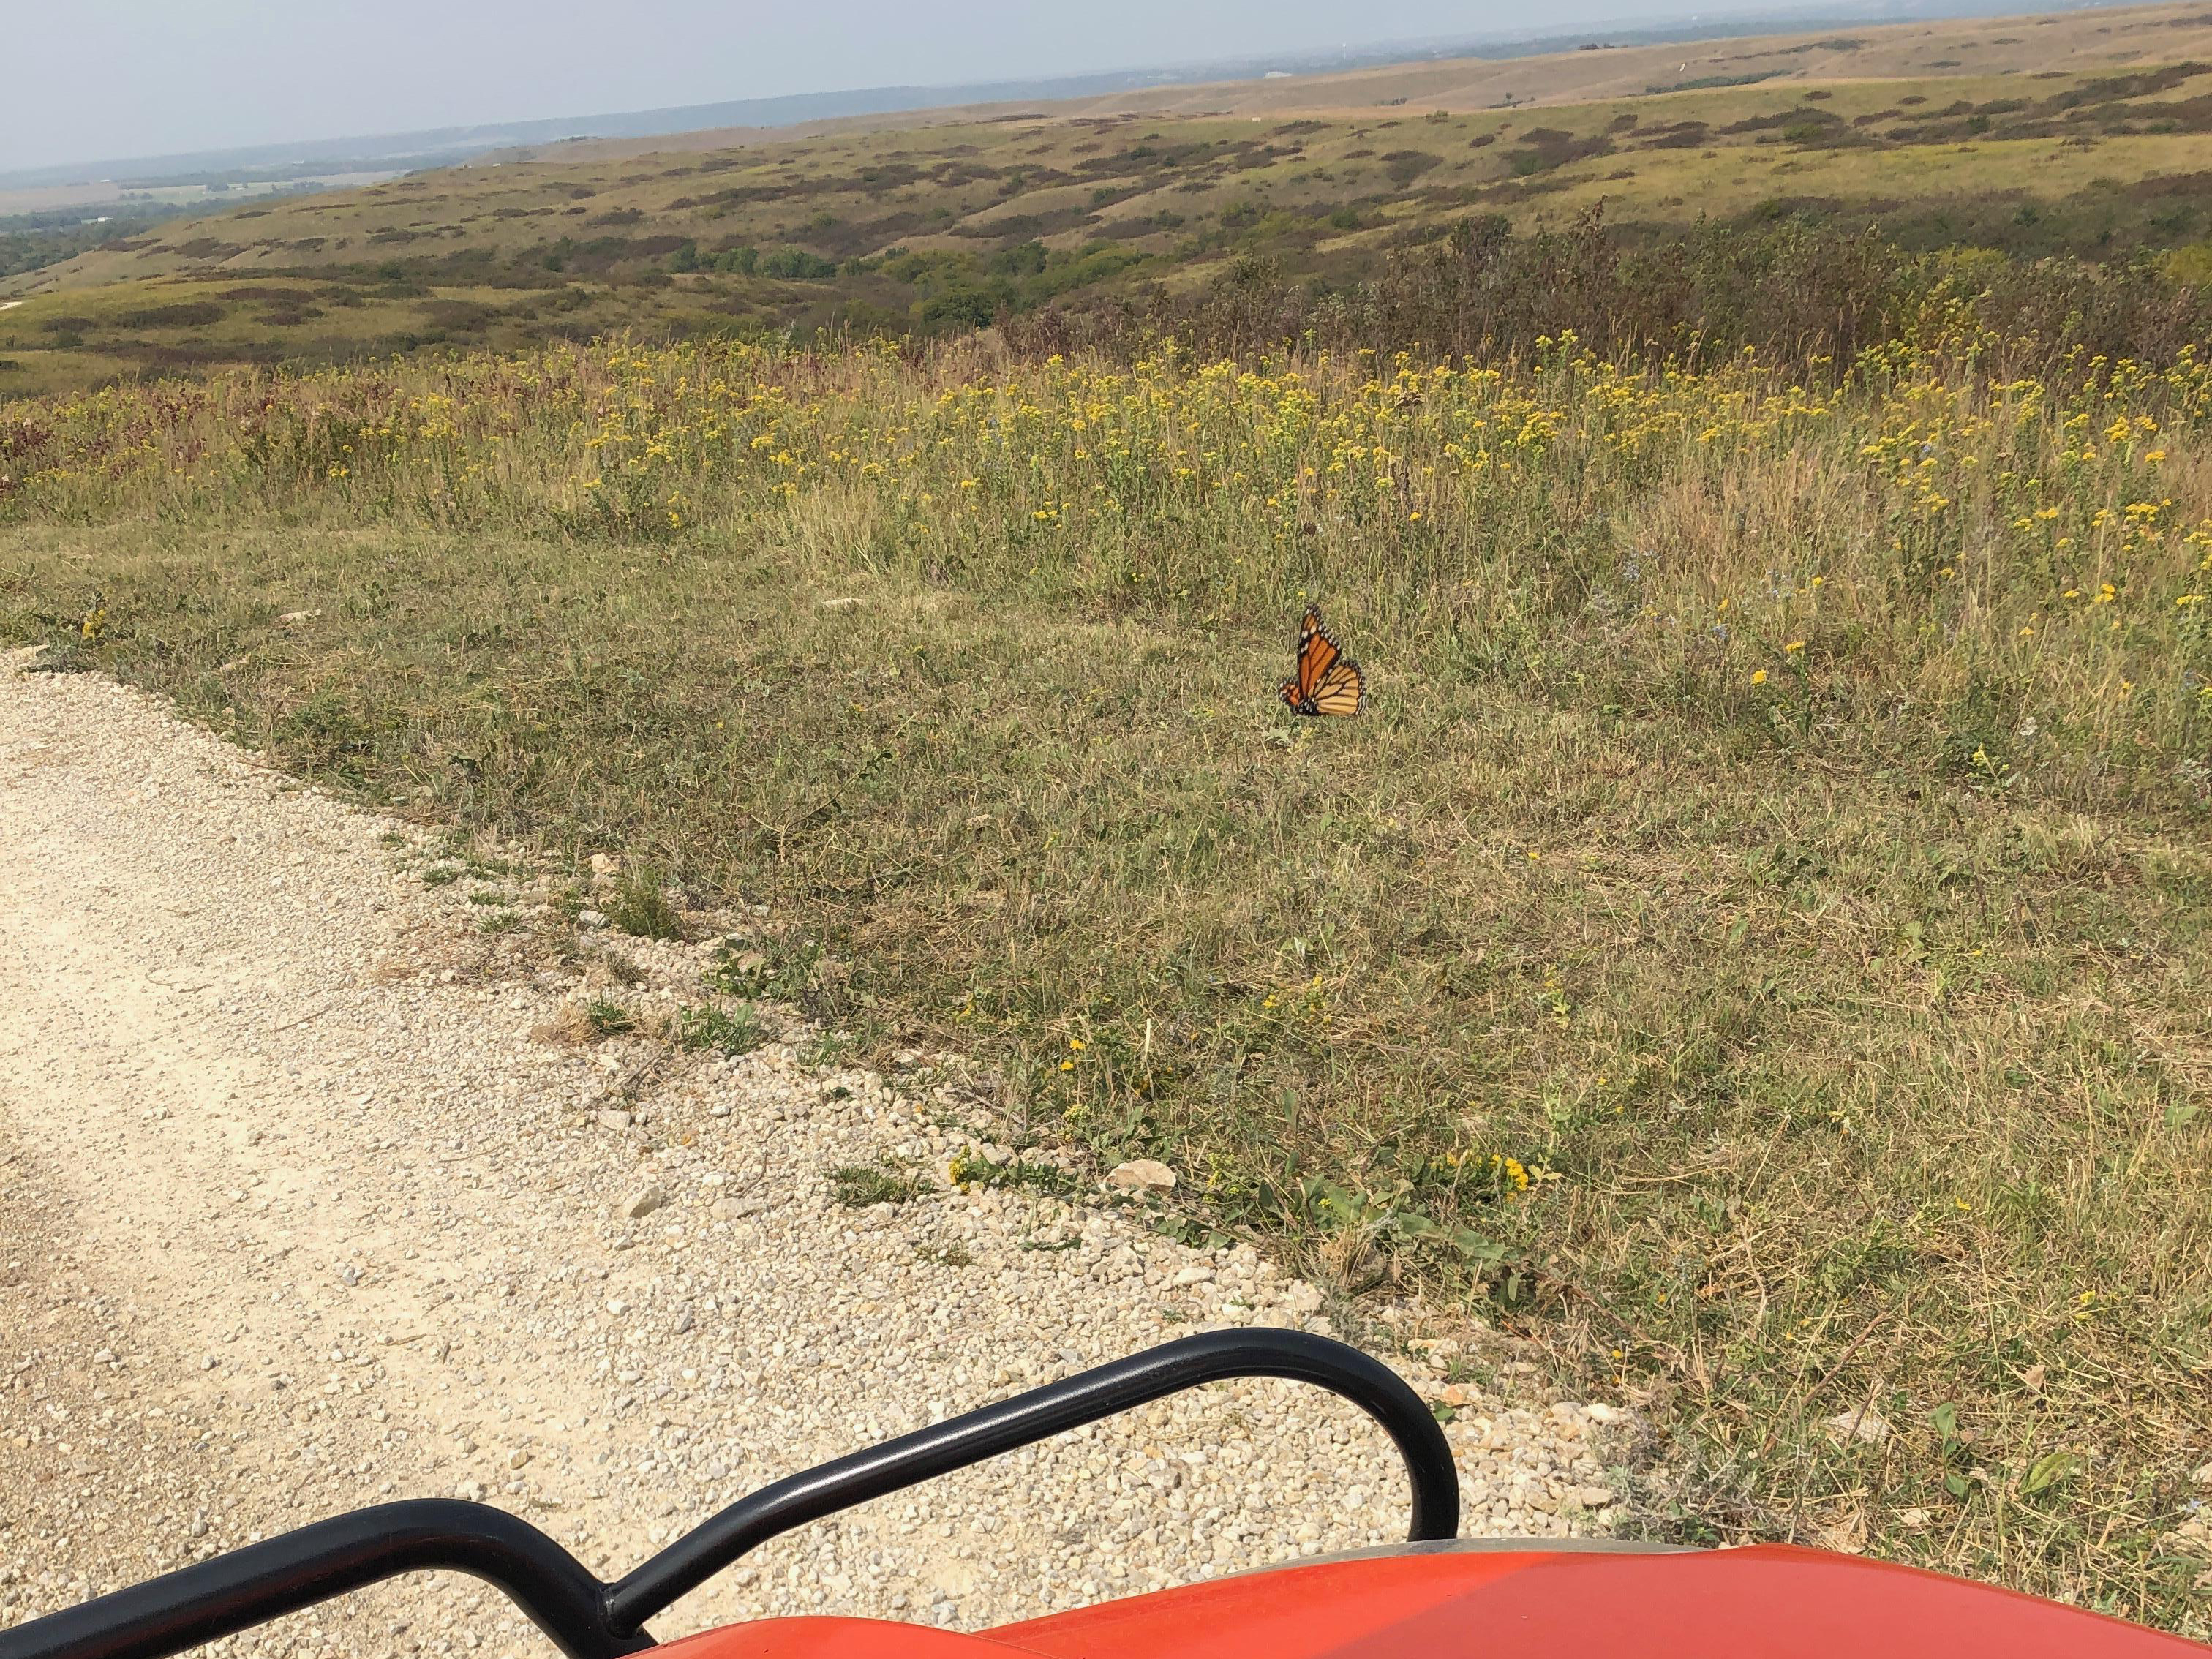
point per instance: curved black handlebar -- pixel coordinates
(1027, 1418)
(590, 1620)
(295, 1569)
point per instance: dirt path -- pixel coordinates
(299, 1210)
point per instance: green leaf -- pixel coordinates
(1947, 1421)
(2180, 1116)
(1955, 1483)
(2046, 1471)
(1474, 1247)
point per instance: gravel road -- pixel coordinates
(309, 1197)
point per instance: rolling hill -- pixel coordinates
(2089, 133)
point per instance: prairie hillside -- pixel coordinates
(2087, 134)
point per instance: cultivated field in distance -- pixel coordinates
(1748, 958)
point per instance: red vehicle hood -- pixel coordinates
(1771, 1602)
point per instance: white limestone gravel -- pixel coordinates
(302, 1208)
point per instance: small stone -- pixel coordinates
(684, 1324)
(1195, 1276)
(644, 1202)
(2204, 1476)
(1595, 1498)
(604, 864)
(1143, 1175)
(517, 1458)
(615, 1120)
(299, 616)
(737, 1209)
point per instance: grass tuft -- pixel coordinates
(858, 1186)
(640, 905)
(1016, 1173)
(605, 1019)
(733, 1031)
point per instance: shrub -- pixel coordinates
(797, 263)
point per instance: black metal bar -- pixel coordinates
(296, 1570)
(960, 1441)
(590, 1620)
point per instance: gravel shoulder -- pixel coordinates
(300, 1208)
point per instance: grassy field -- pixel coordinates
(1753, 946)
(943, 228)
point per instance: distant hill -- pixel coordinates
(387, 153)
(2087, 133)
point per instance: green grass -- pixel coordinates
(606, 1019)
(640, 907)
(1016, 1173)
(858, 1186)
(735, 1030)
(1857, 1079)
(1771, 995)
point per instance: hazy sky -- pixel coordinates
(82, 80)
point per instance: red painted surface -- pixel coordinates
(1768, 1602)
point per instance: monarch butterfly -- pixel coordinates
(1326, 681)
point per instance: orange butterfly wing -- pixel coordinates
(1327, 681)
(1340, 689)
(1317, 654)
